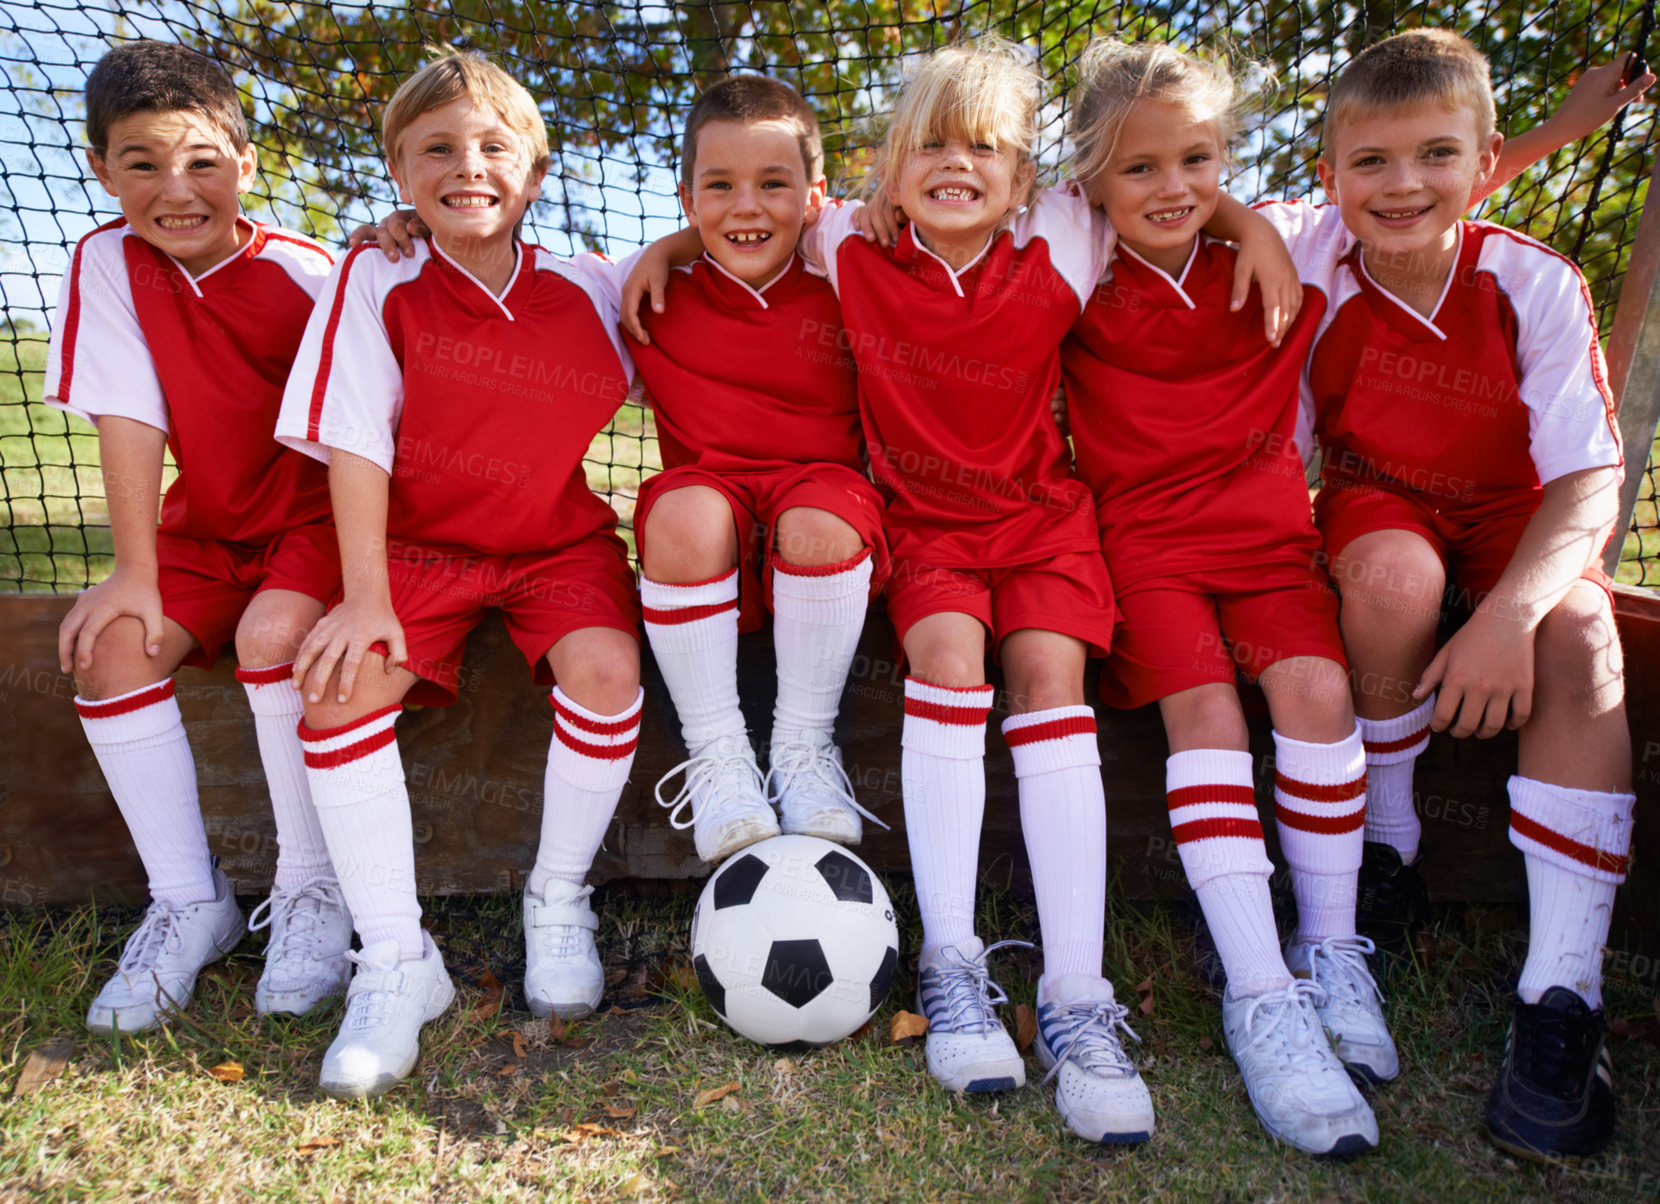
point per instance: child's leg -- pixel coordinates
(269, 634)
(1392, 583)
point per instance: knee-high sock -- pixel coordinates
(1576, 844)
(693, 631)
(942, 772)
(1063, 817)
(1213, 816)
(1320, 807)
(302, 853)
(817, 615)
(1392, 749)
(588, 763)
(140, 744)
(357, 785)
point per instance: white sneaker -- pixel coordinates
(727, 797)
(387, 1003)
(1301, 1093)
(159, 964)
(562, 971)
(1098, 1091)
(968, 1048)
(305, 956)
(1352, 1011)
(814, 795)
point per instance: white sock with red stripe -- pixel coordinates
(1063, 816)
(693, 631)
(1320, 808)
(140, 744)
(1213, 816)
(588, 763)
(1576, 844)
(357, 786)
(302, 853)
(818, 612)
(942, 772)
(1392, 748)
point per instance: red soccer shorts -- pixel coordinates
(1199, 628)
(207, 584)
(757, 499)
(1070, 594)
(543, 596)
(1474, 554)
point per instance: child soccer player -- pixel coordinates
(956, 331)
(763, 500)
(1458, 392)
(453, 394)
(175, 329)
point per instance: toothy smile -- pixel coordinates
(181, 222)
(953, 192)
(468, 201)
(1392, 215)
(748, 238)
(1167, 216)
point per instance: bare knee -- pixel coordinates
(1577, 647)
(1207, 716)
(120, 664)
(605, 682)
(689, 536)
(1393, 573)
(1043, 669)
(1309, 699)
(810, 536)
(273, 628)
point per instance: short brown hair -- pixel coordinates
(160, 77)
(465, 73)
(746, 99)
(1412, 68)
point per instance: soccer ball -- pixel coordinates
(794, 942)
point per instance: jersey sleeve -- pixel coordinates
(98, 362)
(1079, 237)
(820, 241)
(602, 280)
(1314, 234)
(1564, 379)
(345, 391)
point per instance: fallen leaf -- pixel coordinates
(1631, 1030)
(785, 1066)
(506, 1071)
(628, 1076)
(636, 1183)
(865, 1029)
(491, 1003)
(520, 1048)
(1145, 990)
(315, 1146)
(44, 1065)
(227, 1072)
(582, 1132)
(1206, 1044)
(618, 1112)
(907, 1026)
(682, 975)
(614, 1087)
(1025, 1027)
(578, 1043)
(556, 1029)
(710, 1094)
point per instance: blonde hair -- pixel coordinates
(1114, 76)
(987, 90)
(466, 73)
(1419, 66)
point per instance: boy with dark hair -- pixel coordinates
(175, 329)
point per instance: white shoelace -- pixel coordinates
(807, 758)
(1087, 1032)
(1347, 978)
(1291, 1024)
(157, 933)
(966, 991)
(720, 778)
(294, 916)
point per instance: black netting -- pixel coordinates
(616, 78)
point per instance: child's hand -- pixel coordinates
(343, 637)
(648, 278)
(396, 235)
(880, 222)
(1263, 258)
(122, 593)
(1057, 407)
(1597, 95)
(1485, 673)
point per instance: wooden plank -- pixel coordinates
(1634, 362)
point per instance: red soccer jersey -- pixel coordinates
(203, 358)
(742, 379)
(1184, 420)
(956, 372)
(1474, 409)
(480, 407)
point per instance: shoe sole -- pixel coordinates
(542, 1009)
(1365, 1076)
(839, 837)
(1046, 1059)
(753, 833)
(1350, 1145)
(1543, 1157)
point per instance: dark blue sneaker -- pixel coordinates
(1555, 1096)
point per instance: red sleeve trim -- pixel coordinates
(325, 354)
(72, 319)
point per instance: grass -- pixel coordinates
(606, 1110)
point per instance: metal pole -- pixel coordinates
(1634, 359)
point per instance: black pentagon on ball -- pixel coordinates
(738, 880)
(710, 984)
(883, 978)
(797, 972)
(847, 879)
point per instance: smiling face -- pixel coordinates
(749, 196)
(1161, 184)
(1401, 178)
(179, 182)
(958, 192)
(470, 177)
